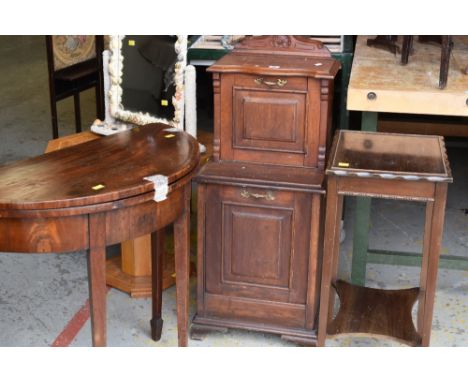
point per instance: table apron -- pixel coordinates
(423, 191)
(71, 233)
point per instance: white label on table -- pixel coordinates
(161, 186)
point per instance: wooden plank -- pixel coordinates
(412, 88)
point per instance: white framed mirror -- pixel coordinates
(147, 79)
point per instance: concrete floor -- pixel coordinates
(43, 296)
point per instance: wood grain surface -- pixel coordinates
(412, 88)
(66, 178)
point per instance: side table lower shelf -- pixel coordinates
(375, 311)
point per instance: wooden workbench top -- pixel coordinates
(412, 88)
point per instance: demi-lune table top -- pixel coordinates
(100, 171)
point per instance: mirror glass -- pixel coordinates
(147, 78)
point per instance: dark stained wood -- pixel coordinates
(376, 311)
(263, 57)
(72, 80)
(157, 250)
(433, 229)
(46, 205)
(388, 156)
(282, 45)
(268, 122)
(43, 235)
(131, 272)
(406, 48)
(182, 267)
(97, 278)
(273, 108)
(330, 253)
(201, 326)
(65, 178)
(315, 244)
(259, 202)
(388, 42)
(395, 166)
(280, 177)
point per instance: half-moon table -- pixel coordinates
(92, 195)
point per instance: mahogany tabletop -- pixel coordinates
(103, 170)
(389, 156)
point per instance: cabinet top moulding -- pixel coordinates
(284, 55)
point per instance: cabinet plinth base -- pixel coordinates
(202, 326)
(375, 311)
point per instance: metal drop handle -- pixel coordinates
(267, 196)
(279, 82)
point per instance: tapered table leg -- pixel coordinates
(157, 251)
(330, 257)
(97, 278)
(182, 267)
(431, 252)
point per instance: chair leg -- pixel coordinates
(76, 98)
(53, 112)
(406, 49)
(445, 60)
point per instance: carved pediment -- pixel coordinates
(282, 44)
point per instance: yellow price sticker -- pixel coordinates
(98, 187)
(164, 102)
(343, 164)
(131, 42)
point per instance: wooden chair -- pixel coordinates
(75, 65)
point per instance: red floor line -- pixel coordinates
(73, 326)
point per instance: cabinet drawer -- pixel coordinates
(277, 82)
(258, 244)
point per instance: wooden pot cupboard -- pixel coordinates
(260, 198)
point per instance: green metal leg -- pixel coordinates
(369, 121)
(362, 219)
(360, 240)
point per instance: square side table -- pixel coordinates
(392, 166)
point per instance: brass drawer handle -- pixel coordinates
(279, 82)
(267, 196)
